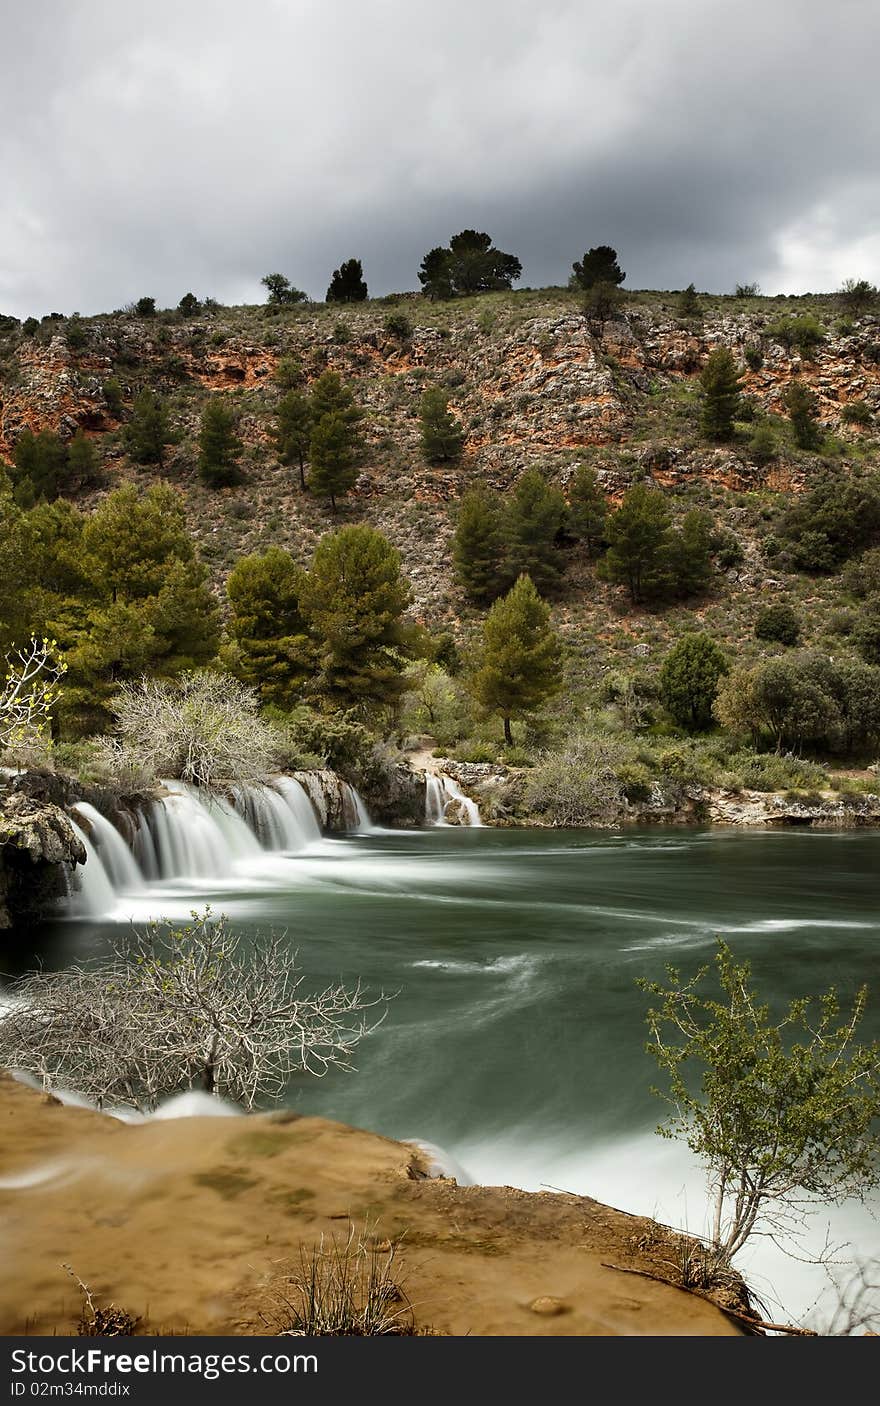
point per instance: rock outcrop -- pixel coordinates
(38, 848)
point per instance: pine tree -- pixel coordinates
(478, 551)
(82, 461)
(148, 432)
(331, 396)
(599, 265)
(470, 264)
(587, 509)
(334, 454)
(721, 387)
(638, 537)
(688, 303)
(273, 648)
(347, 284)
(442, 434)
(520, 666)
(280, 292)
(689, 680)
(532, 523)
(294, 432)
(690, 553)
(39, 467)
(802, 408)
(354, 599)
(219, 445)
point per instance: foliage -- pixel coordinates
(763, 448)
(112, 393)
(599, 265)
(334, 452)
(28, 693)
(803, 700)
(442, 434)
(148, 432)
(802, 407)
(720, 381)
(204, 728)
(280, 292)
(470, 264)
(857, 296)
(436, 704)
(532, 521)
(189, 305)
(39, 466)
(602, 301)
(835, 519)
(804, 333)
(82, 461)
(689, 679)
(288, 374)
(579, 785)
(478, 550)
(778, 622)
(587, 509)
(520, 665)
(398, 325)
(638, 536)
(857, 412)
(177, 1008)
(783, 1114)
(273, 650)
(342, 1289)
(689, 305)
(747, 290)
(354, 599)
(219, 445)
(145, 307)
(293, 435)
(347, 284)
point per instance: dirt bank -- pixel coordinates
(182, 1221)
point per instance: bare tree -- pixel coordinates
(204, 727)
(28, 692)
(181, 1008)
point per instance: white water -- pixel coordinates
(440, 790)
(193, 837)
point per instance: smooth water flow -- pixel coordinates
(516, 1040)
(190, 836)
(440, 789)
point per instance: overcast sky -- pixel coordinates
(161, 146)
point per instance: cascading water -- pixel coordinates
(191, 834)
(440, 791)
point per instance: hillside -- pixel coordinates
(535, 383)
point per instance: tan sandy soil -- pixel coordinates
(181, 1222)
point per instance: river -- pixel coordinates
(515, 1042)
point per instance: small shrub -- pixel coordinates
(753, 357)
(778, 622)
(803, 334)
(341, 1289)
(341, 333)
(398, 325)
(856, 413)
(145, 307)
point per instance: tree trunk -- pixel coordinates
(302, 475)
(508, 735)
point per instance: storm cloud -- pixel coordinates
(157, 148)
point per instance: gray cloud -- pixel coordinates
(158, 147)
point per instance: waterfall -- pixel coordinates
(355, 808)
(302, 825)
(440, 790)
(199, 835)
(91, 890)
(107, 844)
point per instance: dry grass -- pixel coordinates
(340, 1288)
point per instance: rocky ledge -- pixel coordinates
(38, 845)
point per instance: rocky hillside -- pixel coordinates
(534, 382)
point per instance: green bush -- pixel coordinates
(753, 357)
(856, 413)
(778, 622)
(398, 325)
(803, 333)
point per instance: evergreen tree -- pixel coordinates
(532, 523)
(274, 652)
(82, 461)
(294, 432)
(16, 572)
(721, 387)
(334, 453)
(802, 408)
(39, 467)
(599, 265)
(688, 303)
(602, 302)
(289, 374)
(189, 305)
(219, 445)
(148, 432)
(112, 393)
(638, 537)
(347, 284)
(690, 553)
(442, 434)
(471, 264)
(280, 292)
(689, 680)
(520, 666)
(587, 509)
(478, 551)
(354, 599)
(331, 396)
